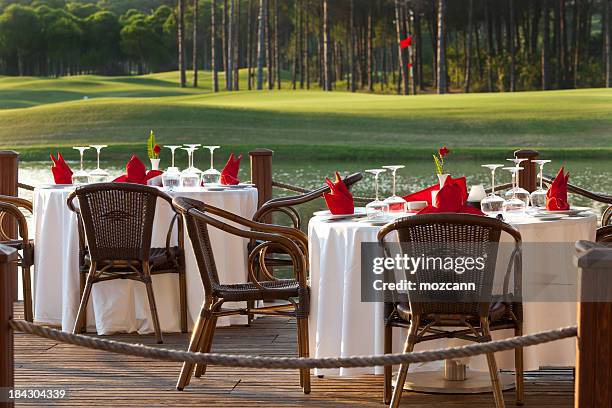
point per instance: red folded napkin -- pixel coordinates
(229, 174)
(340, 200)
(135, 172)
(62, 174)
(451, 199)
(425, 194)
(556, 197)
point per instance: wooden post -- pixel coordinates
(529, 176)
(594, 346)
(7, 375)
(9, 165)
(261, 173)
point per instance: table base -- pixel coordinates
(476, 382)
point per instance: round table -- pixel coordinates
(121, 305)
(340, 324)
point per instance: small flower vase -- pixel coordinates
(154, 164)
(442, 179)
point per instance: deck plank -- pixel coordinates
(96, 378)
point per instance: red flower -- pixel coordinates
(409, 65)
(443, 152)
(406, 42)
(156, 149)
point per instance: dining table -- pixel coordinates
(122, 305)
(342, 324)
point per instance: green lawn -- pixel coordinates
(37, 115)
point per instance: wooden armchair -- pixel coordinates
(118, 223)
(10, 207)
(294, 292)
(471, 317)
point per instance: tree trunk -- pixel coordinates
(224, 44)
(269, 56)
(229, 73)
(326, 49)
(608, 43)
(296, 46)
(403, 82)
(181, 42)
(263, 6)
(576, 22)
(468, 47)
(546, 46)
(489, 28)
(442, 87)
(195, 43)
(276, 53)
(370, 53)
(512, 49)
(300, 43)
(433, 34)
(558, 45)
(237, 46)
(305, 55)
(250, 45)
(350, 83)
(418, 47)
(213, 46)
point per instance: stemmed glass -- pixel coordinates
(517, 191)
(514, 204)
(81, 176)
(538, 197)
(376, 209)
(396, 204)
(211, 176)
(492, 204)
(98, 175)
(171, 179)
(190, 178)
(194, 147)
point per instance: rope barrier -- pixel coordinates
(141, 350)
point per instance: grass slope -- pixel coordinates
(39, 114)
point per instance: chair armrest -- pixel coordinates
(13, 211)
(604, 234)
(18, 202)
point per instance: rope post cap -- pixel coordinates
(526, 153)
(7, 254)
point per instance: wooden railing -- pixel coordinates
(7, 377)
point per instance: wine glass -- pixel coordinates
(492, 204)
(514, 205)
(538, 197)
(211, 176)
(396, 204)
(98, 175)
(172, 149)
(376, 209)
(516, 190)
(194, 147)
(81, 176)
(190, 178)
(171, 178)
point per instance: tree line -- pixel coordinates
(467, 45)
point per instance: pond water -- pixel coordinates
(595, 175)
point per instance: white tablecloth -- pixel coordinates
(340, 324)
(121, 305)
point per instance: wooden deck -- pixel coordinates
(94, 378)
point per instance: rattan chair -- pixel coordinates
(294, 293)
(118, 223)
(10, 208)
(470, 317)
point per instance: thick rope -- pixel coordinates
(289, 362)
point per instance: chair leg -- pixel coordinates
(80, 323)
(388, 348)
(206, 344)
(403, 370)
(519, 370)
(183, 299)
(194, 343)
(27, 294)
(152, 305)
(303, 350)
(495, 384)
(82, 282)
